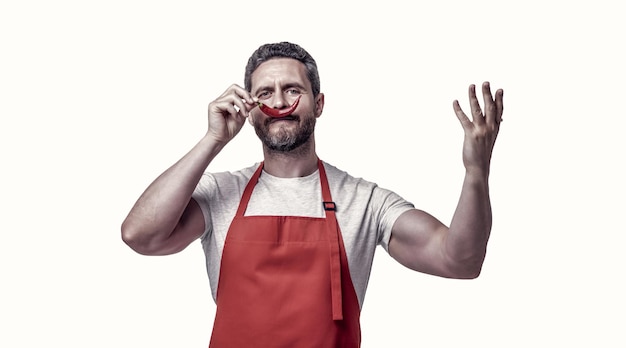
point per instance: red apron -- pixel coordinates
(284, 281)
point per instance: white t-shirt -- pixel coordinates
(365, 212)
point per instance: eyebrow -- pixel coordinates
(293, 84)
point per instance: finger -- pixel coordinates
(236, 113)
(251, 103)
(239, 98)
(499, 104)
(226, 109)
(249, 107)
(240, 92)
(465, 121)
(490, 106)
(246, 102)
(477, 114)
(242, 106)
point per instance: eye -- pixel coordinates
(293, 91)
(264, 95)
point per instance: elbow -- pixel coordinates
(129, 236)
(472, 273)
(135, 239)
(148, 242)
(466, 264)
(467, 269)
(467, 274)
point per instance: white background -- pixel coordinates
(98, 98)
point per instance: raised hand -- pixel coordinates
(482, 130)
(228, 113)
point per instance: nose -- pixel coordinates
(279, 101)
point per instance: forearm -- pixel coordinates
(158, 210)
(466, 242)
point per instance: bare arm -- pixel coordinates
(423, 243)
(165, 219)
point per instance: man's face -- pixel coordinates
(278, 83)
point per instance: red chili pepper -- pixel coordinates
(269, 111)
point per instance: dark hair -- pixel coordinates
(283, 50)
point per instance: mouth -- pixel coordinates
(284, 118)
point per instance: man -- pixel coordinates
(289, 242)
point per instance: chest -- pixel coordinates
(298, 198)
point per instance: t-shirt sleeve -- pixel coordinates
(391, 207)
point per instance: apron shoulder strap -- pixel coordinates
(333, 244)
(247, 192)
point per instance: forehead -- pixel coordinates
(283, 70)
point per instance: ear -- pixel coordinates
(319, 105)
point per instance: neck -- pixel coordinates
(297, 163)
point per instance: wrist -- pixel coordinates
(477, 175)
(210, 146)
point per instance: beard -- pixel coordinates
(285, 139)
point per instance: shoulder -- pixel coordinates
(228, 178)
(219, 185)
(357, 190)
(338, 177)
(242, 174)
